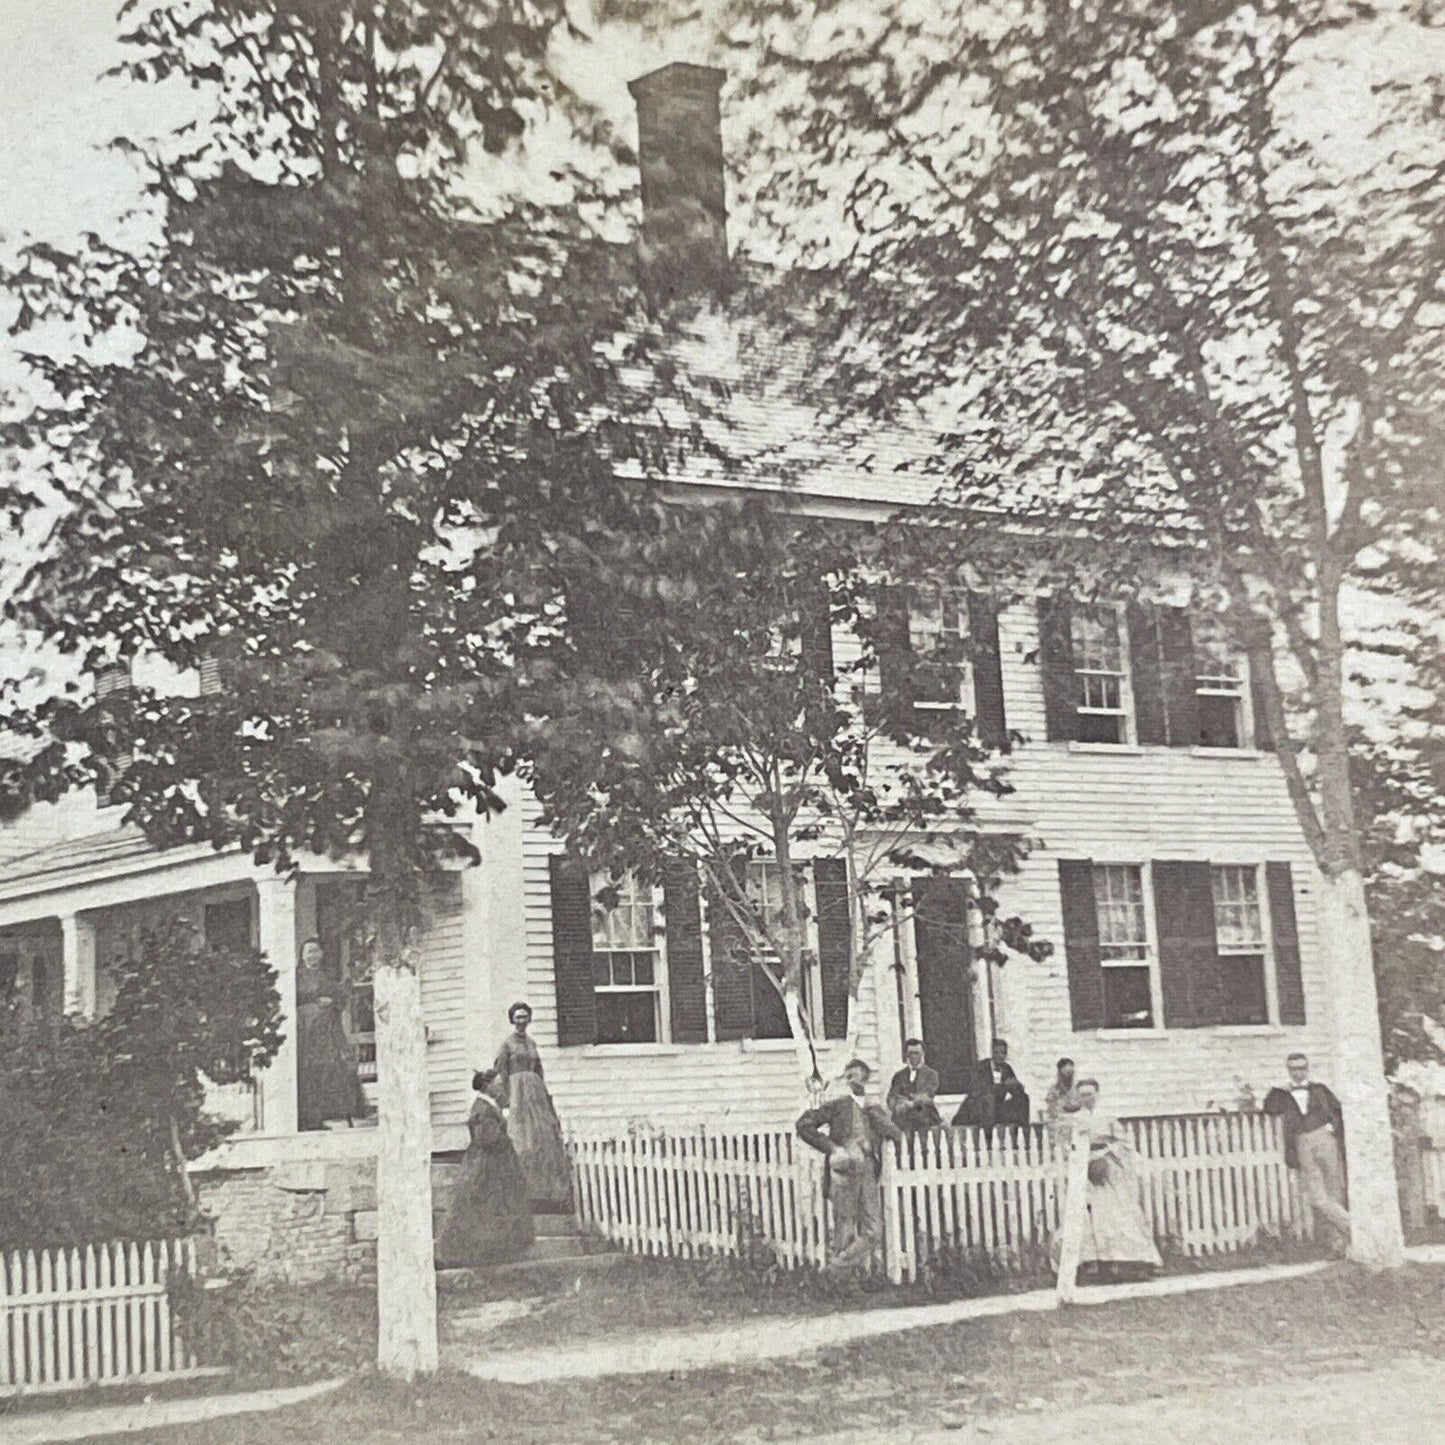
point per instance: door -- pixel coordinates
(945, 984)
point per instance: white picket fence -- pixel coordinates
(1209, 1184)
(71, 1317)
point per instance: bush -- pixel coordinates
(100, 1118)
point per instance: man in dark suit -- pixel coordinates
(851, 1131)
(997, 1096)
(1314, 1131)
(912, 1092)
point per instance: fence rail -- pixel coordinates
(1209, 1184)
(86, 1316)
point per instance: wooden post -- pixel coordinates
(1075, 1213)
(77, 935)
(277, 917)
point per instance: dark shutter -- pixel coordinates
(572, 952)
(895, 658)
(1279, 879)
(686, 987)
(1081, 943)
(1144, 670)
(1056, 659)
(815, 632)
(944, 966)
(1263, 735)
(732, 967)
(1181, 700)
(1188, 954)
(835, 942)
(988, 701)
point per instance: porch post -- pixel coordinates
(77, 945)
(276, 915)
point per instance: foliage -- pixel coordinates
(711, 722)
(100, 1117)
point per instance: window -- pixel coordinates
(1240, 941)
(938, 638)
(765, 888)
(228, 925)
(1099, 652)
(626, 962)
(1219, 688)
(1125, 954)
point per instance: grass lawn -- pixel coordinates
(1130, 1351)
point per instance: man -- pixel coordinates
(1313, 1134)
(850, 1132)
(912, 1092)
(997, 1096)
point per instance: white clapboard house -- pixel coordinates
(1172, 878)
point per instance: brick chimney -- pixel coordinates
(684, 205)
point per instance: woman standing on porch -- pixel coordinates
(327, 1084)
(488, 1222)
(533, 1119)
(1117, 1237)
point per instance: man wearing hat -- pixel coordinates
(850, 1132)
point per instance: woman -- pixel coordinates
(534, 1125)
(1117, 1237)
(327, 1086)
(1061, 1103)
(489, 1222)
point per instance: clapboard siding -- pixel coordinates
(443, 1001)
(737, 1082)
(1135, 806)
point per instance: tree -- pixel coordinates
(100, 1117)
(333, 427)
(710, 727)
(1172, 312)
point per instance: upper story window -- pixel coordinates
(1220, 689)
(627, 962)
(1101, 666)
(938, 638)
(1126, 956)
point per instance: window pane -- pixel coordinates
(1094, 727)
(642, 968)
(1218, 721)
(770, 1018)
(601, 970)
(1238, 918)
(627, 1018)
(1096, 639)
(1127, 1004)
(1244, 993)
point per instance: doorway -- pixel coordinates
(943, 962)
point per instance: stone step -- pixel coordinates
(552, 1269)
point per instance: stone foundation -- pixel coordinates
(300, 1223)
(293, 1222)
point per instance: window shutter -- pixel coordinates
(1056, 658)
(1145, 674)
(114, 678)
(1081, 943)
(1181, 701)
(988, 700)
(215, 675)
(1279, 879)
(572, 952)
(686, 986)
(1188, 953)
(895, 657)
(815, 632)
(1263, 737)
(732, 967)
(835, 942)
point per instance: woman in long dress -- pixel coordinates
(531, 1115)
(327, 1084)
(1117, 1237)
(489, 1222)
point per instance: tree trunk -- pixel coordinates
(1376, 1239)
(406, 1296)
